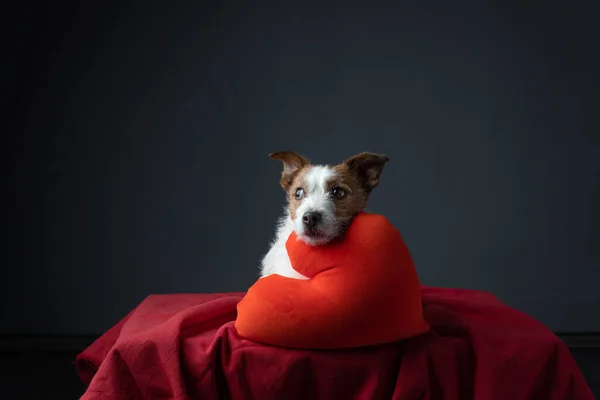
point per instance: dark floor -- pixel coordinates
(35, 375)
(589, 363)
(51, 375)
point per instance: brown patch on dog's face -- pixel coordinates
(358, 176)
(355, 197)
(297, 182)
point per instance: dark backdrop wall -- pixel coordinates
(139, 160)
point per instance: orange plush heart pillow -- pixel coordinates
(363, 290)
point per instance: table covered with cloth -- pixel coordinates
(184, 346)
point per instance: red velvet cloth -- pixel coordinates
(186, 347)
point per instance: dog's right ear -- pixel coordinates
(292, 163)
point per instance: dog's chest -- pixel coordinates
(277, 261)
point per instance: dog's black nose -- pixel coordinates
(311, 219)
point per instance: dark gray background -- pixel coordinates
(139, 162)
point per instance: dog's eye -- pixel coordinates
(299, 193)
(338, 192)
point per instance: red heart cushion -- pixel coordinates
(364, 290)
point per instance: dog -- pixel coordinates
(322, 200)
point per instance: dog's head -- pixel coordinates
(323, 199)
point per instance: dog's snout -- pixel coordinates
(311, 219)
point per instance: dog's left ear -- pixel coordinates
(367, 167)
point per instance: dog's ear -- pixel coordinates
(292, 163)
(367, 167)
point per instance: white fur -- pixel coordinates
(277, 261)
(316, 198)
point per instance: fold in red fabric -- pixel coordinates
(186, 347)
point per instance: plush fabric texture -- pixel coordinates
(364, 290)
(180, 347)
